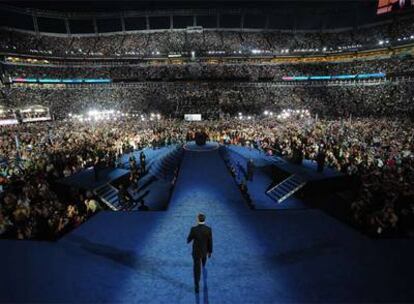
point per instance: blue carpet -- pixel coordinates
(259, 256)
(209, 146)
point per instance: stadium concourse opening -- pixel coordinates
(214, 152)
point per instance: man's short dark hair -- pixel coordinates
(201, 218)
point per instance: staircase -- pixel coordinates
(109, 196)
(286, 188)
(164, 169)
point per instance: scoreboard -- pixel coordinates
(387, 6)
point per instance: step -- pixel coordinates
(286, 188)
(107, 191)
(109, 196)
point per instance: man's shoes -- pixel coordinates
(197, 289)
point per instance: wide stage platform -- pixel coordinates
(86, 179)
(272, 256)
(270, 170)
(307, 170)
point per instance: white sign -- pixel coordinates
(4, 122)
(192, 117)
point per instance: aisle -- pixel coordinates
(259, 256)
(205, 185)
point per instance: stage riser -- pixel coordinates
(328, 186)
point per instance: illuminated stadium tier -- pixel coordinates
(282, 29)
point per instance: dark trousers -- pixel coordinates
(250, 174)
(197, 268)
(320, 166)
(96, 172)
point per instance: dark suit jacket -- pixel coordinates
(202, 238)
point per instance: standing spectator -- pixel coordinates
(320, 159)
(250, 169)
(142, 159)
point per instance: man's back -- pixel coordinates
(201, 236)
(202, 239)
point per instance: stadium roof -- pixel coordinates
(103, 6)
(82, 17)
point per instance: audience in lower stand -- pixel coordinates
(377, 151)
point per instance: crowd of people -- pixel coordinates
(35, 156)
(379, 152)
(209, 41)
(361, 129)
(207, 71)
(219, 99)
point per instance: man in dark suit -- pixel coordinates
(142, 160)
(320, 159)
(202, 238)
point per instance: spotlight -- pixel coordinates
(93, 113)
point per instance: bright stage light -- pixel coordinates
(93, 112)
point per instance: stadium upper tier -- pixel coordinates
(15, 72)
(202, 42)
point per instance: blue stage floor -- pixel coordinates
(257, 190)
(307, 170)
(86, 178)
(269, 256)
(151, 155)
